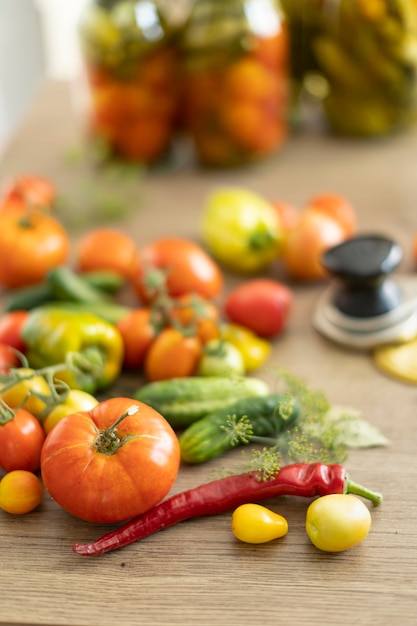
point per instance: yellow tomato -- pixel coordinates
(76, 400)
(337, 522)
(20, 492)
(253, 523)
(253, 349)
(31, 392)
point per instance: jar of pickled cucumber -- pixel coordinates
(363, 56)
(235, 80)
(131, 65)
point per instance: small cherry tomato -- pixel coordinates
(111, 463)
(20, 492)
(107, 249)
(253, 349)
(338, 208)
(30, 245)
(76, 400)
(138, 332)
(29, 192)
(198, 315)
(21, 441)
(253, 523)
(172, 355)
(337, 522)
(189, 269)
(304, 245)
(8, 358)
(220, 358)
(30, 391)
(11, 325)
(260, 304)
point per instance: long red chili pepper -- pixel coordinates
(300, 479)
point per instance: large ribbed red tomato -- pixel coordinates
(111, 463)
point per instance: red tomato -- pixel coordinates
(172, 355)
(103, 467)
(30, 245)
(189, 269)
(11, 325)
(337, 207)
(29, 192)
(8, 358)
(138, 333)
(306, 243)
(107, 249)
(261, 304)
(21, 440)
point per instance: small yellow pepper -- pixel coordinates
(254, 350)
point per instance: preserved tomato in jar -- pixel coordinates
(131, 67)
(236, 79)
(362, 54)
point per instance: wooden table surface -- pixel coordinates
(196, 572)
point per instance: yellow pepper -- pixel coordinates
(254, 350)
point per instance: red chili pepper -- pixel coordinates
(300, 479)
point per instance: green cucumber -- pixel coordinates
(68, 285)
(210, 436)
(182, 401)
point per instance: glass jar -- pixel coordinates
(131, 66)
(365, 52)
(236, 79)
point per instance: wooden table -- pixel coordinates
(197, 573)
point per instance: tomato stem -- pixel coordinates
(108, 441)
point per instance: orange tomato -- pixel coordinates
(287, 213)
(20, 492)
(172, 355)
(29, 192)
(30, 246)
(107, 249)
(338, 208)
(198, 315)
(138, 333)
(306, 242)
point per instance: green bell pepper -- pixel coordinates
(89, 349)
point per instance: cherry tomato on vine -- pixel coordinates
(220, 358)
(111, 463)
(30, 391)
(31, 244)
(138, 333)
(337, 522)
(304, 245)
(76, 400)
(28, 191)
(172, 355)
(254, 523)
(260, 304)
(189, 269)
(21, 441)
(11, 325)
(8, 358)
(107, 249)
(20, 492)
(197, 314)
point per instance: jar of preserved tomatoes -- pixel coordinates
(236, 79)
(131, 67)
(363, 56)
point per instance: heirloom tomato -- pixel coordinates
(172, 355)
(107, 249)
(11, 325)
(337, 522)
(111, 463)
(189, 269)
(21, 440)
(138, 332)
(260, 304)
(31, 244)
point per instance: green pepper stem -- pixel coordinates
(359, 490)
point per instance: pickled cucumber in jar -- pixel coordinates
(132, 68)
(236, 80)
